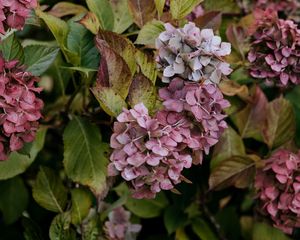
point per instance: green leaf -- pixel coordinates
(150, 32)
(142, 91)
(39, 58)
(49, 191)
(81, 204)
(235, 171)
(111, 102)
(142, 11)
(84, 155)
(122, 17)
(174, 219)
(90, 227)
(18, 163)
(60, 228)
(268, 232)
(147, 65)
(280, 125)
(160, 4)
(103, 11)
(11, 48)
(13, 199)
(224, 6)
(202, 230)
(181, 8)
(230, 144)
(81, 41)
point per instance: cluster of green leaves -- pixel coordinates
(95, 58)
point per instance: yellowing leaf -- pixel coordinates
(142, 11)
(181, 8)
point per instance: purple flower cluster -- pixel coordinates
(20, 108)
(286, 6)
(119, 226)
(278, 185)
(275, 49)
(13, 13)
(192, 54)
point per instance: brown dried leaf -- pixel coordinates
(142, 11)
(211, 19)
(91, 22)
(63, 9)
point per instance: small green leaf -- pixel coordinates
(230, 144)
(268, 232)
(60, 228)
(90, 227)
(181, 8)
(13, 199)
(150, 32)
(147, 65)
(160, 4)
(39, 58)
(84, 155)
(11, 48)
(111, 102)
(81, 204)
(103, 11)
(203, 230)
(122, 17)
(224, 6)
(49, 191)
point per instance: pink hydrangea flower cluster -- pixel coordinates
(286, 6)
(13, 13)
(278, 185)
(20, 108)
(192, 54)
(119, 227)
(275, 49)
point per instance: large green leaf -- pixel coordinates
(60, 228)
(11, 48)
(13, 199)
(39, 58)
(230, 144)
(84, 155)
(142, 11)
(122, 17)
(181, 8)
(280, 124)
(267, 232)
(103, 11)
(18, 163)
(235, 171)
(150, 32)
(49, 191)
(81, 41)
(203, 230)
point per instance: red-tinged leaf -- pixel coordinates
(251, 119)
(237, 36)
(63, 9)
(142, 90)
(235, 171)
(211, 19)
(120, 45)
(119, 77)
(142, 11)
(91, 22)
(280, 123)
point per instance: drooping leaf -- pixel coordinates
(84, 155)
(280, 123)
(160, 4)
(224, 6)
(149, 32)
(174, 219)
(203, 230)
(11, 48)
(211, 20)
(103, 11)
(81, 42)
(49, 191)
(39, 58)
(18, 163)
(110, 101)
(268, 232)
(230, 144)
(146, 65)
(181, 8)
(113, 70)
(81, 204)
(90, 22)
(122, 16)
(142, 11)
(251, 119)
(235, 171)
(142, 91)
(62, 9)
(13, 199)
(60, 228)
(121, 46)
